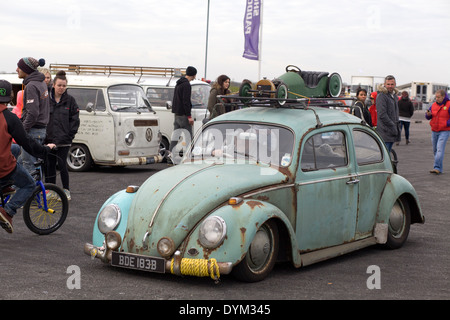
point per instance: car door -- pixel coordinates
(327, 190)
(372, 176)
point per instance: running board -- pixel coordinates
(325, 254)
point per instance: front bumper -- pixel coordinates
(176, 265)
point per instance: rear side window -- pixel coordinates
(367, 148)
(88, 97)
(159, 96)
(324, 150)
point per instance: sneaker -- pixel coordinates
(436, 171)
(51, 195)
(67, 192)
(6, 221)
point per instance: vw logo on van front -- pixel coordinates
(149, 134)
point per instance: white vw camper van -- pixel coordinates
(117, 124)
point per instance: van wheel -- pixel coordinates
(163, 145)
(79, 158)
(261, 255)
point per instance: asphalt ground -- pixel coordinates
(36, 267)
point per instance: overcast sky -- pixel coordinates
(407, 38)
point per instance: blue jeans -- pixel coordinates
(439, 140)
(389, 145)
(24, 184)
(27, 159)
(405, 124)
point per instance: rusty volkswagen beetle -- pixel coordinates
(298, 183)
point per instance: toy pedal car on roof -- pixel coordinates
(294, 84)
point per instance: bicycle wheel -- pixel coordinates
(41, 220)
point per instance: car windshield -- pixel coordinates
(244, 142)
(200, 95)
(128, 98)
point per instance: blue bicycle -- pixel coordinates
(46, 210)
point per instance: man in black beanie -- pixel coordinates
(36, 104)
(181, 107)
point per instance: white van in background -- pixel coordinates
(117, 125)
(158, 84)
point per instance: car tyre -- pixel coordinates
(261, 255)
(79, 158)
(399, 224)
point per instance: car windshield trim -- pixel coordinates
(244, 142)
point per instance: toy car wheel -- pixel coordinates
(261, 255)
(244, 91)
(282, 93)
(334, 85)
(399, 224)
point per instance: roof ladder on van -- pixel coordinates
(117, 70)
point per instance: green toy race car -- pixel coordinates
(294, 84)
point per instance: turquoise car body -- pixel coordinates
(319, 213)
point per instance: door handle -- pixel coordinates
(352, 181)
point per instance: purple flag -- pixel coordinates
(251, 29)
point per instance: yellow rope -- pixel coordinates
(198, 268)
(296, 94)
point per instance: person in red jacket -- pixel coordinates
(11, 171)
(439, 116)
(373, 108)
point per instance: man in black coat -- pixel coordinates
(181, 107)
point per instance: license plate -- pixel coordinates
(138, 262)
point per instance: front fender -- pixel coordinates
(243, 221)
(123, 199)
(396, 187)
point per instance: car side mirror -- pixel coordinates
(90, 107)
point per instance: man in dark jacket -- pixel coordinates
(36, 105)
(181, 107)
(388, 125)
(12, 172)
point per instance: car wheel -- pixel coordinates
(79, 158)
(261, 255)
(399, 224)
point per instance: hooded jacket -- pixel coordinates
(181, 104)
(64, 120)
(35, 113)
(12, 128)
(388, 124)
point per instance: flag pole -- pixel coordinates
(207, 30)
(260, 39)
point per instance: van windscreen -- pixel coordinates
(128, 98)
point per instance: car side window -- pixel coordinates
(92, 98)
(159, 96)
(367, 149)
(324, 150)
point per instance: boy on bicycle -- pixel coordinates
(12, 172)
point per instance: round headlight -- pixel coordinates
(212, 232)
(129, 137)
(166, 247)
(109, 218)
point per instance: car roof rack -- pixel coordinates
(287, 103)
(117, 70)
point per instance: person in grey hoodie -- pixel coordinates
(36, 106)
(388, 124)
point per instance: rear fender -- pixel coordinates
(396, 187)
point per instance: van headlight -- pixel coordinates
(109, 218)
(129, 138)
(212, 232)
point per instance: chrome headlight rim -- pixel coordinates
(212, 232)
(109, 218)
(129, 138)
